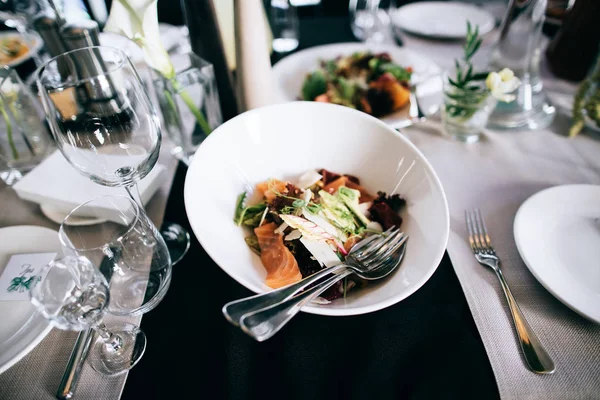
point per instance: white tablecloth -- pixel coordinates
(497, 175)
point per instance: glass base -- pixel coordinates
(110, 360)
(461, 135)
(530, 110)
(177, 240)
(11, 176)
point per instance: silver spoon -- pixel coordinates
(376, 261)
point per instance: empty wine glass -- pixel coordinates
(72, 293)
(139, 266)
(104, 123)
(370, 20)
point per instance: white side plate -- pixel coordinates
(442, 19)
(21, 326)
(557, 232)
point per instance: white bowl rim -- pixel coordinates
(323, 310)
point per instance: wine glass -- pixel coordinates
(137, 259)
(72, 293)
(370, 20)
(104, 123)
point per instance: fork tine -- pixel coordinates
(479, 229)
(470, 229)
(367, 256)
(478, 244)
(384, 256)
(484, 233)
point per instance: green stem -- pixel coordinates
(9, 131)
(197, 113)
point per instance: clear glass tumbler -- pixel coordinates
(285, 26)
(465, 112)
(189, 104)
(24, 139)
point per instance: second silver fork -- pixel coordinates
(537, 358)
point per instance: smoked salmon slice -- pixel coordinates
(280, 263)
(271, 188)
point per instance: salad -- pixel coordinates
(365, 81)
(301, 227)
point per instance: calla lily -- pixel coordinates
(501, 83)
(138, 21)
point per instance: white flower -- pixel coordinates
(138, 21)
(501, 83)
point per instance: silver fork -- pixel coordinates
(538, 360)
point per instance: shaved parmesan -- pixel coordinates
(308, 179)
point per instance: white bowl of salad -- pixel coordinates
(282, 191)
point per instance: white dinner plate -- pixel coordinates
(442, 19)
(289, 74)
(21, 326)
(557, 232)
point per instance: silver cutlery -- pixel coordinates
(234, 310)
(375, 258)
(537, 358)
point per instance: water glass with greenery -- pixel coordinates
(24, 138)
(189, 103)
(470, 96)
(466, 111)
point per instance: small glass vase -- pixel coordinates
(24, 138)
(465, 112)
(189, 104)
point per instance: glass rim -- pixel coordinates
(124, 60)
(61, 231)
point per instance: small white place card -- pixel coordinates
(19, 274)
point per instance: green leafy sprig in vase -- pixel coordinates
(138, 21)
(470, 95)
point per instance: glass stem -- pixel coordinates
(134, 192)
(113, 342)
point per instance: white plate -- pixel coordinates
(21, 326)
(58, 216)
(284, 141)
(442, 19)
(557, 232)
(35, 43)
(290, 72)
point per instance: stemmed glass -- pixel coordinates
(138, 266)
(370, 20)
(104, 123)
(72, 293)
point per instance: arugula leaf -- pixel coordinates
(314, 85)
(239, 208)
(253, 215)
(346, 89)
(252, 242)
(397, 71)
(330, 67)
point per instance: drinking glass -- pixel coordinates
(72, 293)
(285, 25)
(370, 20)
(104, 123)
(139, 266)
(24, 139)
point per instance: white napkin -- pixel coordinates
(56, 183)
